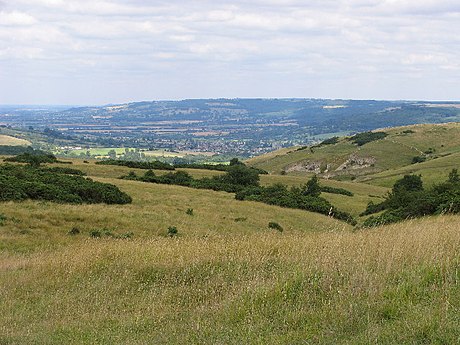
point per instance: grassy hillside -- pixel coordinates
(8, 140)
(395, 285)
(347, 159)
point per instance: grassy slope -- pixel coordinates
(393, 152)
(397, 285)
(432, 171)
(8, 140)
(223, 281)
(355, 205)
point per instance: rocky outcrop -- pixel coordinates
(355, 162)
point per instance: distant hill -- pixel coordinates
(427, 148)
(244, 127)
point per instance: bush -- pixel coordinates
(409, 199)
(330, 141)
(172, 231)
(27, 182)
(2, 219)
(332, 190)
(61, 170)
(95, 233)
(276, 226)
(363, 138)
(418, 159)
(74, 231)
(157, 165)
(189, 211)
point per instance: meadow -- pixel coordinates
(231, 283)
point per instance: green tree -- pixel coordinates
(112, 154)
(241, 175)
(312, 187)
(409, 183)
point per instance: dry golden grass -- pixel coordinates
(12, 141)
(393, 285)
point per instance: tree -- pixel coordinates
(235, 161)
(312, 187)
(241, 175)
(409, 183)
(112, 154)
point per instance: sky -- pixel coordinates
(112, 51)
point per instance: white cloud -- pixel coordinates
(16, 18)
(247, 48)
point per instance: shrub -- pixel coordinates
(28, 182)
(408, 199)
(418, 159)
(2, 219)
(363, 138)
(189, 211)
(330, 141)
(61, 170)
(139, 165)
(276, 226)
(240, 219)
(95, 233)
(312, 187)
(172, 231)
(74, 231)
(332, 190)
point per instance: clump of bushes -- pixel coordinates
(244, 182)
(172, 231)
(238, 176)
(409, 199)
(276, 226)
(95, 233)
(98, 233)
(332, 190)
(157, 165)
(305, 198)
(62, 170)
(418, 159)
(34, 158)
(189, 211)
(363, 138)
(74, 231)
(28, 182)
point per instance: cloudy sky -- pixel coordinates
(111, 51)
